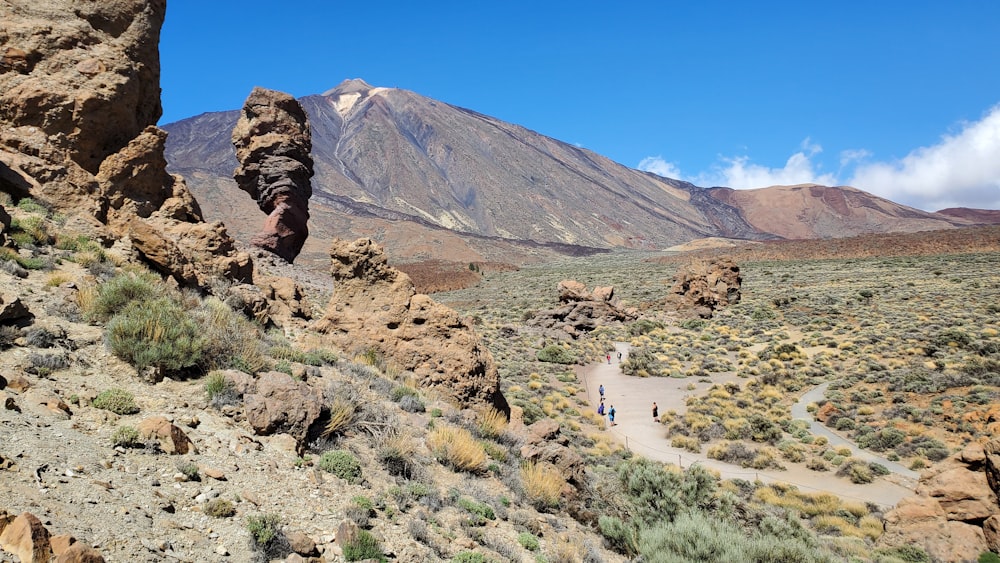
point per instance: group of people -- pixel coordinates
(611, 411)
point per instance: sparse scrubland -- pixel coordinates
(910, 344)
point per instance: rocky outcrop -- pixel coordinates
(703, 287)
(581, 311)
(955, 513)
(79, 97)
(273, 143)
(374, 306)
(278, 403)
(547, 444)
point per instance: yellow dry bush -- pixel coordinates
(686, 443)
(86, 297)
(827, 523)
(855, 508)
(57, 279)
(543, 483)
(457, 448)
(341, 417)
(770, 394)
(514, 389)
(490, 422)
(870, 527)
(717, 392)
(534, 376)
(534, 385)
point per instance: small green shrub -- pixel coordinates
(263, 528)
(528, 541)
(555, 354)
(120, 291)
(620, 536)
(468, 557)
(907, 553)
(126, 437)
(156, 333)
(219, 508)
(118, 401)
(988, 557)
(481, 512)
(365, 546)
(341, 463)
(189, 469)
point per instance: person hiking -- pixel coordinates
(600, 408)
(619, 357)
(611, 415)
(609, 359)
(601, 391)
(656, 412)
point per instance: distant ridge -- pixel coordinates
(435, 181)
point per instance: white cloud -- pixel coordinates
(740, 173)
(961, 170)
(657, 165)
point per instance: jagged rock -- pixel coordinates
(301, 543)
(281, 404)
(12, 310)
(77, 131)
(704, 287)
(955, 511)
(375, 306)
(543, 430)
(26, 538)
(172, 439)
(273, 142)
(581, 310)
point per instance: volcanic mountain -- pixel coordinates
(435, 181)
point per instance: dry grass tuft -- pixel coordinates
(543, 484)
(457, 448)
(341, 416)
(490, 422)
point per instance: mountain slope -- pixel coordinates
(810, 211)
(431, 180)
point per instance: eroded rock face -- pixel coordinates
(278, 403)
(79, 98)
(273, 143)
(375, 306)
(581, 311)
(955, 513)
(703, 287)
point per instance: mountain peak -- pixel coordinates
(349, 86)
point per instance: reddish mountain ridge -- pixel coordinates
(434, 181)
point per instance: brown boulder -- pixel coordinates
(954, 513)
(706, 286)
(375, 306)
(281, 404)
(172, 439)
(991, 532)
(27, 538)
(79, 553)
(580, 311)
(963, 495)
(273, 142)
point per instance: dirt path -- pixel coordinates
(800, 412)
(633, 399)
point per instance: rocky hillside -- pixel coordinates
(431, 180)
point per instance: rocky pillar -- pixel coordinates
(273, 143)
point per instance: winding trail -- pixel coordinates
(800, 412)
(633, 399)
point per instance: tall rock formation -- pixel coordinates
(374, 306)
(79, 97)
(273, 143)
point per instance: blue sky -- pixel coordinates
(899, 98)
